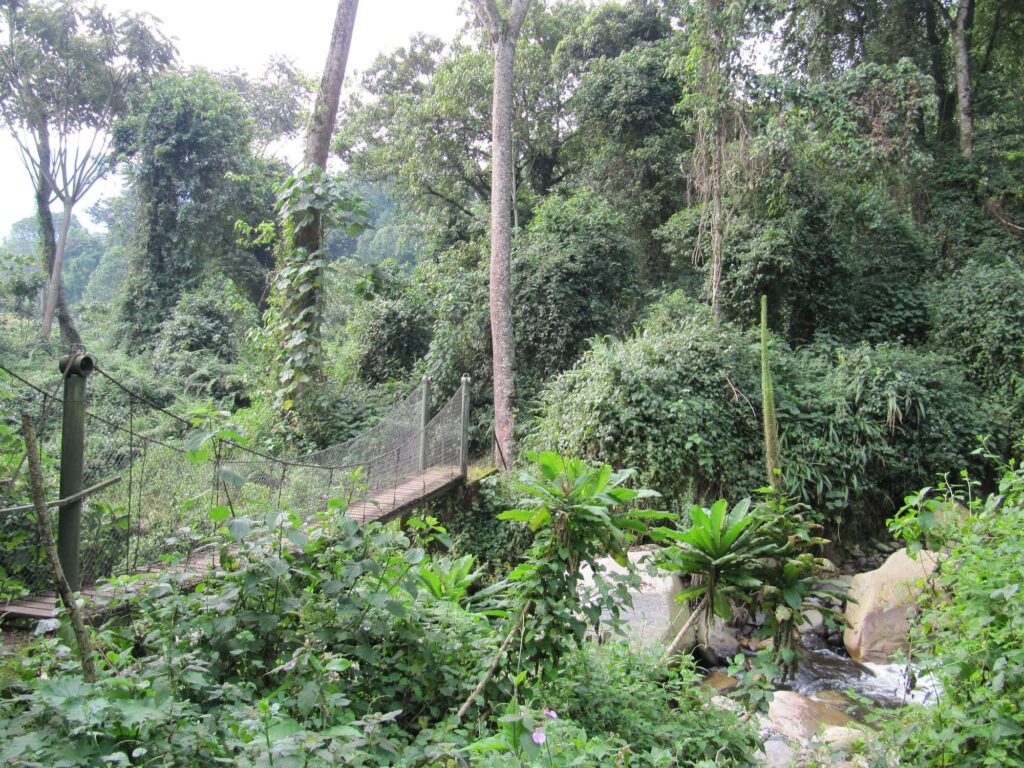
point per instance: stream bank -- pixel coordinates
(816, 716)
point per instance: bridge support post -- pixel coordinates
(424, 420)
(464, 447)
(76, 368)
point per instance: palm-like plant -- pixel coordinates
(723, 550)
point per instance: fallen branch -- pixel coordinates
(35, 474)
(995, 209)
(494, 662)
(67, 499)
(680, 638)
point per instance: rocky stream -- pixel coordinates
(817, 716)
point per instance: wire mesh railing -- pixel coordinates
(174, 489)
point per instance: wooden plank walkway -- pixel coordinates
(381, 506)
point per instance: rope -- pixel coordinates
(295, 461)
(29, 384)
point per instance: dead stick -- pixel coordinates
(35, 473)
(677, 642)
(494, 663)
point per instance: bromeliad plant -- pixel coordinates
(722, 552)
(761, 555)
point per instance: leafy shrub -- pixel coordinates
(336, 413)
(574, 275)
(979, 313)
(833, 261)
(455, 289)
(679, 402)
(668, 401)
(198, 343)
(474, 527)
(531, 738)
(630, 693)
(578, 513)
(970, 632)
(858, 424)
(324, 648)
(392, 335)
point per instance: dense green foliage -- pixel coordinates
(353, 646)
(978, 314)
(970, 632)
(673, 162)
(195, 174)
(857, 424)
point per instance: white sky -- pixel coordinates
(244, 34)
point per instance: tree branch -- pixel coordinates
(35, 473)
(680, 638)
(490, 15)
(516, 17)
(495, 662)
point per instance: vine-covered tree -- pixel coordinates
(306, 205)
(190, 163)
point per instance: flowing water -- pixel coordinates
(824, 670)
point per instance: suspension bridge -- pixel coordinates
(144, 490)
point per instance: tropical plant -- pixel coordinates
(795, 579)
(723, 550)
(758, 555)
(577, 513)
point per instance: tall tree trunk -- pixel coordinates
(944, 127)
(502, 339)
(55, 292)
(504, 31)
(308, 238)
(718, 214)
(961, 32)
(959, 21)
(325, 111)
(55, 300)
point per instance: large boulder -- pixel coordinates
(881, 604)
(798, 717)
(655, 616)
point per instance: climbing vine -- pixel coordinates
(292, 322)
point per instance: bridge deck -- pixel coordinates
(380, 506)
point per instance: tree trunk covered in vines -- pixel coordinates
(959, 21)
(307, 238)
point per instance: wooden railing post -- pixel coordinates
(76, 368)
(424, 420)
(464, 447)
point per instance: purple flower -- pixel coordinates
(539, 737)
(551, 713)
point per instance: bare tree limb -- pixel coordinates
(495, 661)
(489, 14)
(680, 638)
(35, 473)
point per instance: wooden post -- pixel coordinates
(464, 449)
(76, 368)
(424, 420)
